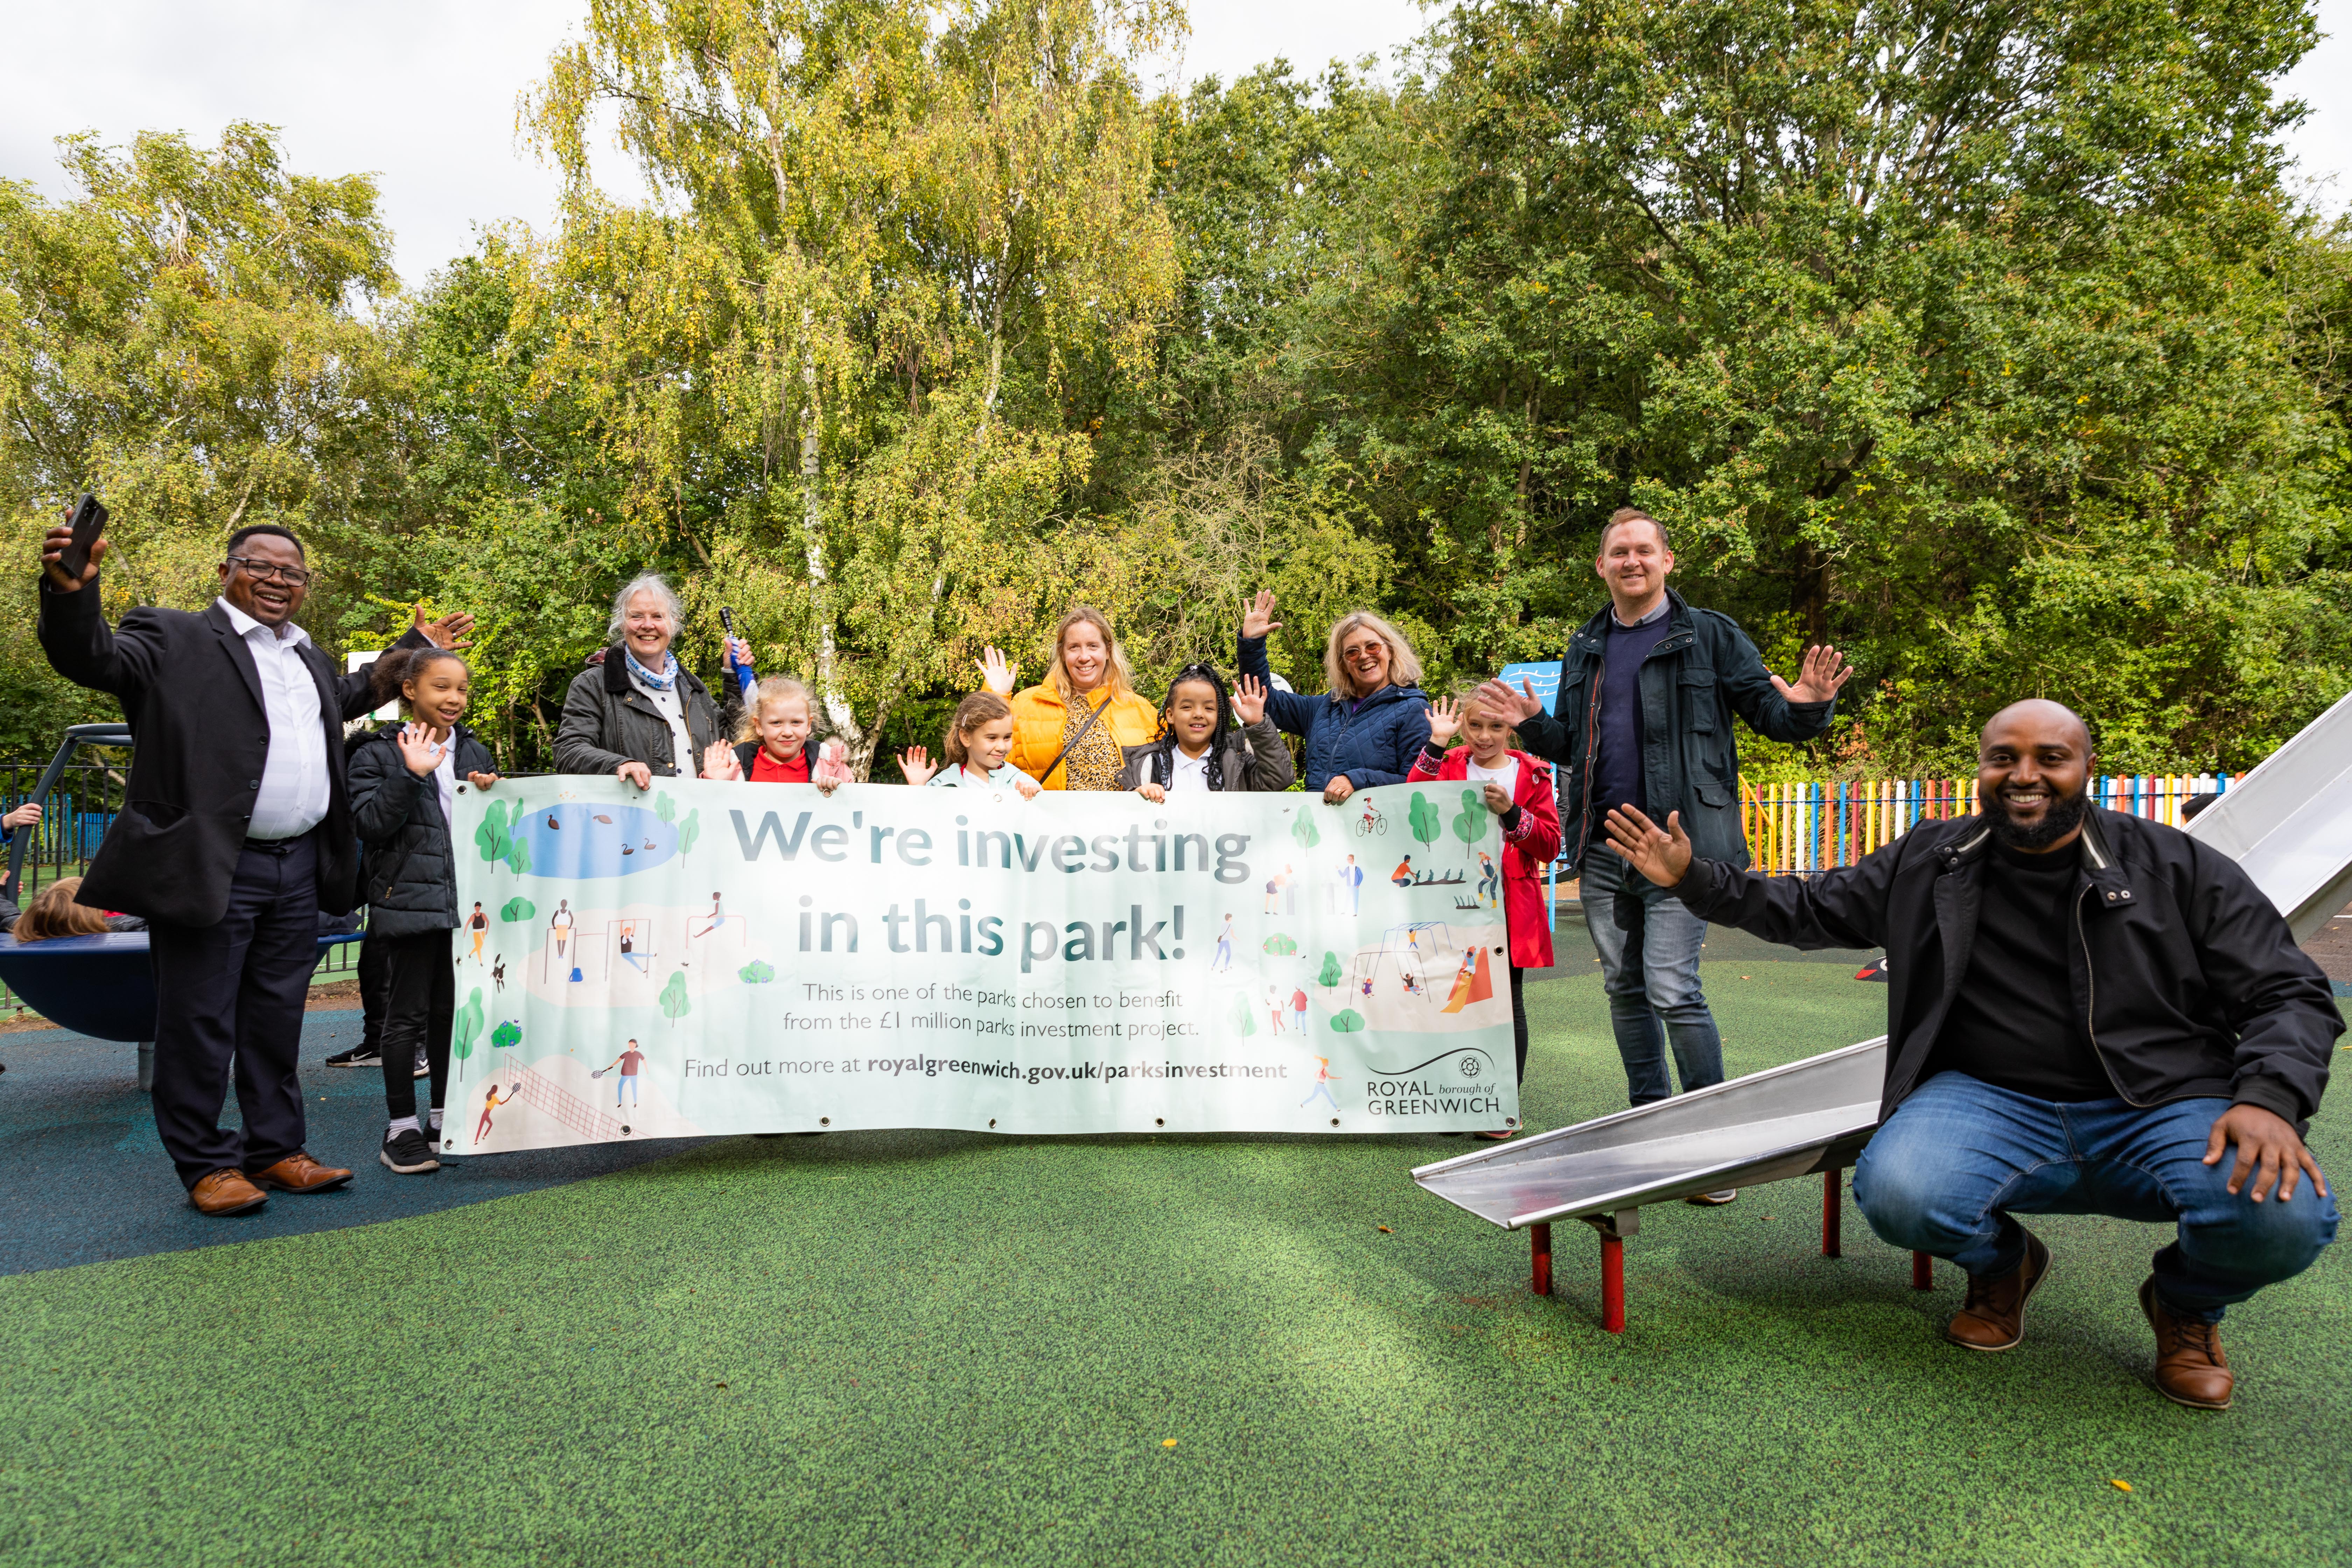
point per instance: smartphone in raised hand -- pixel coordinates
(88, 521)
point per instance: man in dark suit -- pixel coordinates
(236, 832)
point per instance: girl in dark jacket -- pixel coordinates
(404, 787)
(1370, 723)
(1199, 747)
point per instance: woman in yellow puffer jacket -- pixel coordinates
(1088, 671)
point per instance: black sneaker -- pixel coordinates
(357, 1056)
(424, 1067)
(435, 1138)
(404, 1152)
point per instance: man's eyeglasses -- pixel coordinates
(266, 571)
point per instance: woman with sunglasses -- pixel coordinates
(1372, 718)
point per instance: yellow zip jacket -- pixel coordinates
(1037, 716)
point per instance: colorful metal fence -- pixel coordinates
(1815, 825)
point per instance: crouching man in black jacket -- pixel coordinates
(2087, 1011)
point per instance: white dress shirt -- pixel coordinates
(293, 796)
(1188, 774)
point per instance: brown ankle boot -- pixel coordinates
(2189, 1366)
(1993, 1316)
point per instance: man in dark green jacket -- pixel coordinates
(1647, 689)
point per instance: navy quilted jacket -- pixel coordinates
(1373, 744)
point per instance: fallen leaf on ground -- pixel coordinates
(1386, 1231)
(2120, 1485)
(1170, 1442)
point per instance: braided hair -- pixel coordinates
(1163, 750)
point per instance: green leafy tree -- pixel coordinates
(519, 856)
(507, 1036)
(517, 910)
(466, 1032)
(674, 1002)
(1302, 828)
(1241, 1016)
(1426, 819)
(665, 808)
(1347, 1020)
(690, 830)
(1470, 822)
(1330, 974)
(756, 972)
(491, 833)
(1280, 945)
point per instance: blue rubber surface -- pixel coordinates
(89, 1180)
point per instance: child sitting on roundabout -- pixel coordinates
(2089, 1012)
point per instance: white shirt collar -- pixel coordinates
(244, 626)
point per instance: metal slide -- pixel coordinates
(2288, 822)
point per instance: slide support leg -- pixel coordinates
(1539, 1236)
(1613, 1228)
(1832, 1213)
(1923, 1271)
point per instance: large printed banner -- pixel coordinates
(712, 958)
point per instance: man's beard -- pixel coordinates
(2064, 815)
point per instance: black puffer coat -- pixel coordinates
(408, 868)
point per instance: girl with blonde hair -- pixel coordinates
(1372, 720)
(1071, 731)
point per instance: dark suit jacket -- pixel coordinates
(192, 700)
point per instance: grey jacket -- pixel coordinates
(1250, 759)
(408, 868)
(1701, 673)
(608, 721)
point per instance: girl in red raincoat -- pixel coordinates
(1519, 789)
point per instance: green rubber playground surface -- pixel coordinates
(948, 1348)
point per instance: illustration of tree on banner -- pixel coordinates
(1347, 1020)
(491, 835)
(517, 910)
(468, 1026)
(507, 1036)
(1244, 1017)
(1470, 823)
(1302, 828)
(665, 808)
(1330, 974)
(674, 1002)
(519, 856)
(1427, 820)
(690, 830)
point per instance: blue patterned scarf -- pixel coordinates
(662, 682)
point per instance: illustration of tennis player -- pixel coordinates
(490, 1102)
(628, 1062)
(1324, 1078)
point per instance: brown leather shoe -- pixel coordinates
(298, 1172)
(1993, 1316)
(2189, 1366)
(225, 1193)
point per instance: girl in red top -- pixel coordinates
(1519, 789)
(774, 743)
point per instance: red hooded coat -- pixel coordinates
(1530, 842)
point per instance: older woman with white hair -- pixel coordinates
(640, 712)
(1373, 717)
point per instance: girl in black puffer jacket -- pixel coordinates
(404, 783)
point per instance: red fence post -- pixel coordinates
(1833, 1211)
(1612, 1283)
(1923, 1271)
(1540, 1236)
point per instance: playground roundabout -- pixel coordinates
(953, 1347)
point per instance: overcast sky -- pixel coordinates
(422, 92)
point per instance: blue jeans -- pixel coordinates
(1957, 1159)
(1648, 941)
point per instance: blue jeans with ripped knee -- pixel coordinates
(1960, 1156)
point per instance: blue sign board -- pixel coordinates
(1543, 679)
